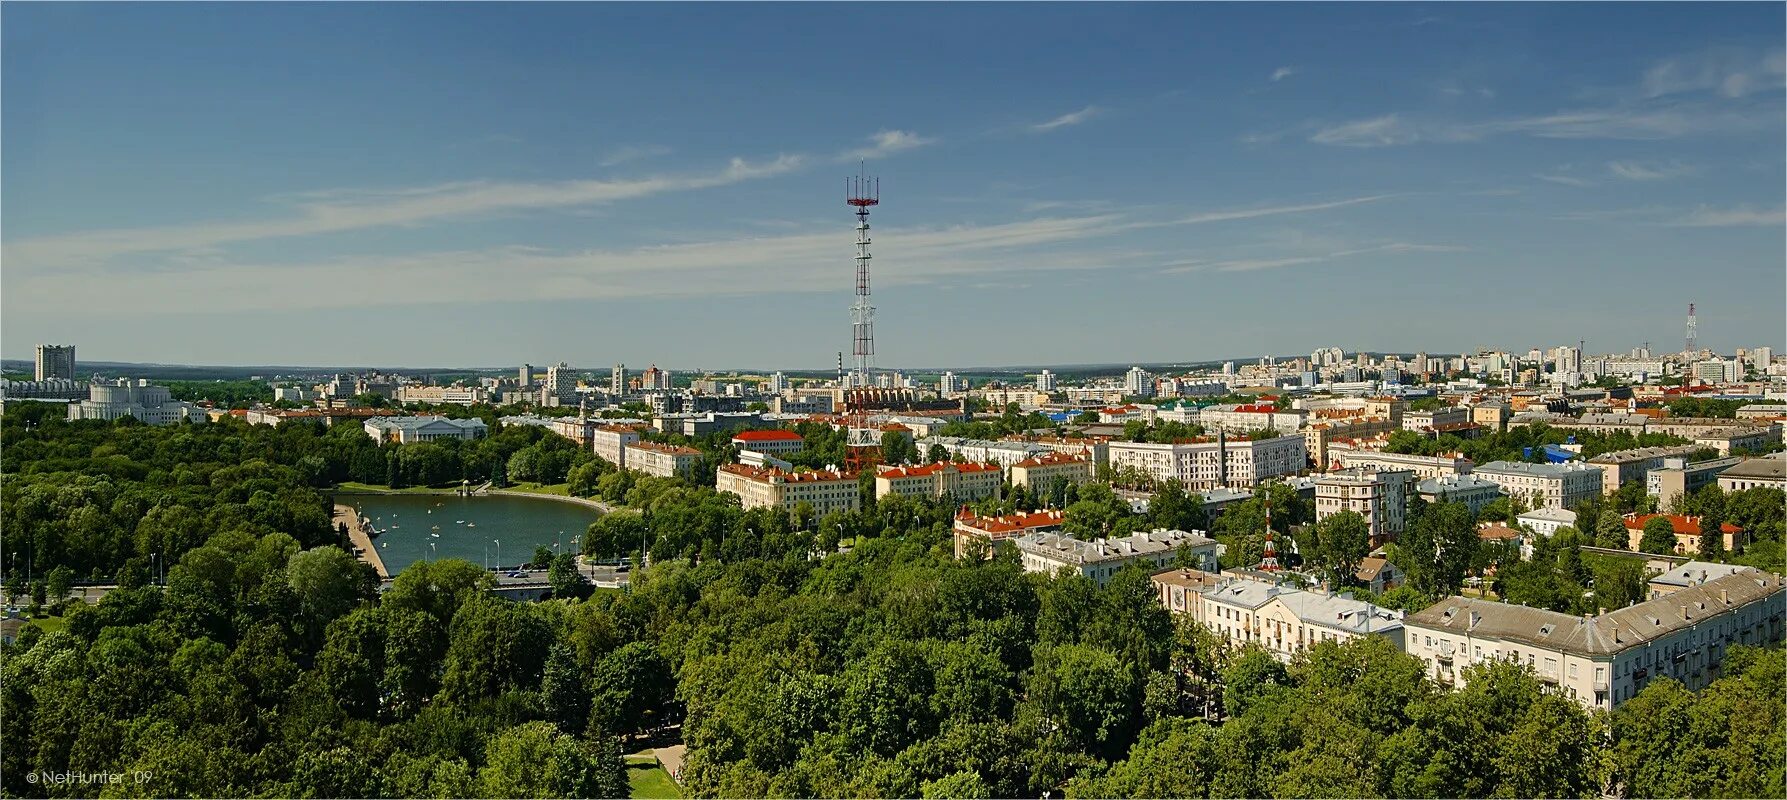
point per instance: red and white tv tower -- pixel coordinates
(862, 192)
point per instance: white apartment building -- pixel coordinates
(966, 482)
(611, 442)
(1554, 485)
(757, 487)
(1719, 371)
(1099, 559)
(1244, 418)
(1045, 381)
(1423, 466)
(1472, 491)
(774, 441)
(154, 405)
(1603, 661)
(442, 395)
(54, 362)
(1546, 521)
(405, 430)
(1003, 453)
(950, 385)
(1204, 464)
(1138, 383)
(1042, 473)
(662, 460)
(1285, 621)
(1380, 496)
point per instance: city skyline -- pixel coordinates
(288, 185)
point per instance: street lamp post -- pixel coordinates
(499, 553)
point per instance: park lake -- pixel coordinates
(417, 527)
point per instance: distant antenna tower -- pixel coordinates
(1693, 333)
(862, 192)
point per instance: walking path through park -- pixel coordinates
(361, 537)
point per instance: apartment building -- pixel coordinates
(965, 482)
(1689, 575)
(759, 487)
(989, 531)
(1004, 453)
(1733, 440)
(1472, 491)
(1042, 473)
(1422, 466)
(1250, 417)
(1423, 421)
(1752, 473)
(661, 460)
(611, 442)
(1328, 426)
(1492, 414)
(1182, 590)
(442, 395)
(1604, 660)
(1678, 476)
(1285, 620)
(1622, 466)
(1207, 463)
(1099, 559)
(774, 442)
(1098, 448)
(1380, 496)
(1552, 485)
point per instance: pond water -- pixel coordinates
(469, 527)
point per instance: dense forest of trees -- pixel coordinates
(269, 664)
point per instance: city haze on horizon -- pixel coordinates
(409, 184)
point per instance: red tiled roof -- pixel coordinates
(766, 436)
(1052, 458)
(1046, 518)
(1684, 525)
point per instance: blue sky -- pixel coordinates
(412, 184)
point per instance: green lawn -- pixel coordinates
(351, 486)
(649, 781)
(53, 624)
(562, 489)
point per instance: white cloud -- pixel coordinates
(1707, 217)
(1637, 171)
(1567, 180)
(345, 210)
(1374, 132)
(632, 152)
(1068, 119)
(1726, 72)
(746, 265)
(886, 143)
(1283, 72)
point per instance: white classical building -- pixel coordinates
(1285, 620)
(405, 430)
(1554, 485)
(756, 487)
(125, 398)
(1003, 453)
(611, 441)
(1604, 660)
(774, 441)
(1099, 559)
(1209, 463)
(1546, 521)
(1472, 491)
(1244, 418)
(661, 460)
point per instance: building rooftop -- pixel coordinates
(1770, 467)
(967, 467)
(668, 449)
(786, 476)
(1194, 579)
(1640, 454)
(414, 423)
(1695, 573)
(776, 435)
(1007, 523)
(1057, 547)
(1536, 470)
(1052, 458)
(1683, 525)
(1603, 635)
(1320, 609)
(1559, 515)
(1455, 483)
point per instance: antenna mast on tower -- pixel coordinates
(1692, 333)
(862, 192)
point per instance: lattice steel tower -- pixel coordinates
(1693, 334)
(862, 192)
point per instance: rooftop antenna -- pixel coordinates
(862, 192)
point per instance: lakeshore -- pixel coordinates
(359, 533)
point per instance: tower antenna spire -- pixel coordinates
(862, 192)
